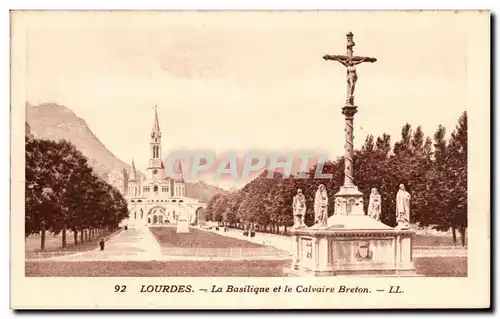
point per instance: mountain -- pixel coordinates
(203, 191)
(54, 122)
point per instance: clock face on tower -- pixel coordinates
(155, 171)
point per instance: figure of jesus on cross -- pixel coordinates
(350, 62)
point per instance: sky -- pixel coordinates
(227, 81)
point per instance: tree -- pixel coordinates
(43, 182)
(62, 193)
(404, 144)
(230, 212)
(210, 210)
(383, 145)
(433, 170)
(417, 141)
(457, 173)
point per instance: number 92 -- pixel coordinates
(119, 288)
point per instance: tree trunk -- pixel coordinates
(86, 234)
(81, 236)
(64, 244)
(453, 231)
(42, 240)
(462, 235)
(285, 230)
(75, 235)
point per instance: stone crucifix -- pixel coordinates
(350, 61)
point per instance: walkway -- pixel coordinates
(131, 244)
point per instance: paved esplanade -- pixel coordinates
(131, 244)
(139, 244)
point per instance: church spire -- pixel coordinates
(155, 148)
(179, 170)
(134, 171)
(156, 124)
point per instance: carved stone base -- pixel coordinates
(349, 201)
(352, 252)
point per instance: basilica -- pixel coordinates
(157, 199)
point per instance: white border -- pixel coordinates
(189, 5)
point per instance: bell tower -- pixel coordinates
(154, 167)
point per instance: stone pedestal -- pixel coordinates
(349, 201)
(353, 245)
(182, 225)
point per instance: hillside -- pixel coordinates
(54, 122)
(203, 191)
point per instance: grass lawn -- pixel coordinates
(430, 267)
(168, 237)
(429, 240)
(442, 266)
(254, 268)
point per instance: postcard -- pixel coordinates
(250, 159)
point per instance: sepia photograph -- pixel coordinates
(330, 152)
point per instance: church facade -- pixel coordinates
(157, 199)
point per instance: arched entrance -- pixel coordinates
(158, 216)
(200, 216)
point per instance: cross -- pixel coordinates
(350, 61)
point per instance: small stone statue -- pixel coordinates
(299, 209)
(403, 208)
(338, 206)
(375, 205)
(321, 206)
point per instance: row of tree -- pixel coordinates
(63, 194)
(433, 170)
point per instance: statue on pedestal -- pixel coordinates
(321, 206)
(299, 209)
(338, 207)
(375, 205)
(403, 208)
